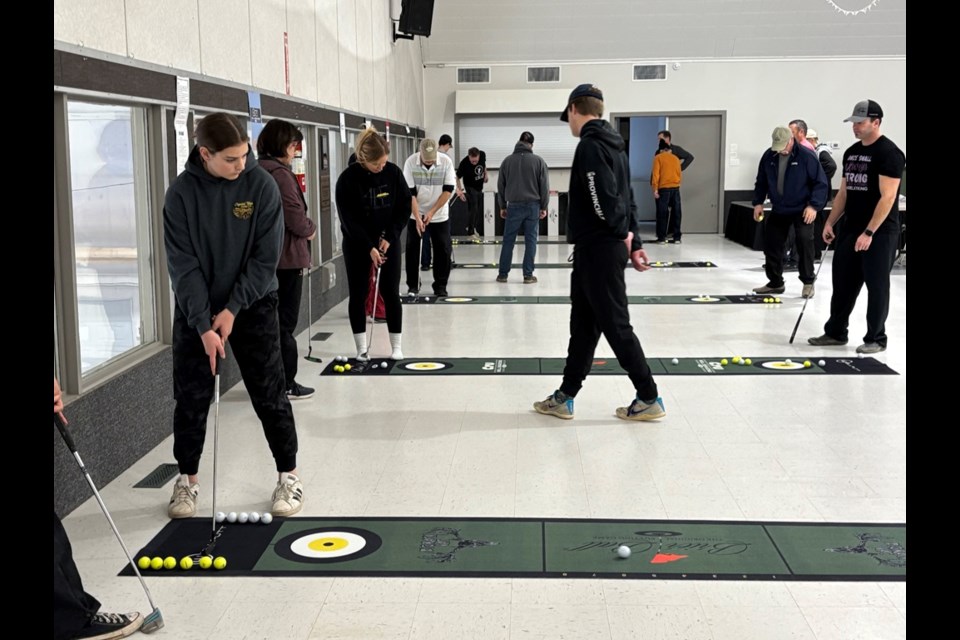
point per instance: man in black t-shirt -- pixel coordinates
(866, 245)
(471, 176)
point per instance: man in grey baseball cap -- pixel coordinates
(865, 245)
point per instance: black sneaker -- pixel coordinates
(299, 392)
(423, 268)
(440, 294)
(104, 626)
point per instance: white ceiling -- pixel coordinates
(505, 31)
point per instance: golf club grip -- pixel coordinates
(62, 428)
(219, 364)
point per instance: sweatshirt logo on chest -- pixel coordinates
(242, 210)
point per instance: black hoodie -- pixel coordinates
(223, 239)
(601, 207)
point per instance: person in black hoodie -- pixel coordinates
(374, 203)
(277, 146)
(223, 229)
(602, 224)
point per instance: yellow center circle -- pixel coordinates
(327, 544)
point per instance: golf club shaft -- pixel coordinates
(816, 276)
(216, 441)
(58, 421)
(309, 314)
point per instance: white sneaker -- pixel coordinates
(396, 353)
(183, 503)
(288, 496)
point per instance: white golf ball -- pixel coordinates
(859, 355)
(383, 365)
(254, 517)
(788, 361)
(266, 518)
(375, 366)
(624, 551)
(242, 517)
(232, 516)
(822, 363)
(426, 297)
(221, 516)
(675, 361)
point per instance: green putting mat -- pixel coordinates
(547, 548)
(659, 366)
(706, 299)
(659, 264)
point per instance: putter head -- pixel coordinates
(152, 622)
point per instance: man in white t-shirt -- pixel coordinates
(431, 179)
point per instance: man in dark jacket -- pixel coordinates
(523, 193)
(797, 187)
(686, 158)
(602, 226)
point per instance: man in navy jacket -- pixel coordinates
(791, 176)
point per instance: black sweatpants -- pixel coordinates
(288, 312)
(357, 260)
(255, 343)
(598, 297)
(776, 228)
(669, 213)
(442, 252)
(853, 269)
(73, 608)
(475, 209)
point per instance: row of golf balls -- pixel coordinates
(146, 562)
(243, 517)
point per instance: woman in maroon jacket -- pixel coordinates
(277, 146)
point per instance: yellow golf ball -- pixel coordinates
(205, 562)
(724, 361)
(144, 562)
(338, 368)
(736, 359)
(748, 361)
(807, 363)
(169, 562)
(777, 300)
(186, 562)
(156, 563)
(220, 562)
(347, 367)
(768, 299)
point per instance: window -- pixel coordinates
(111, 230)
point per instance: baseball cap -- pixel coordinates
(780, 138)
(583, 90)
(428, 150)
(812, 133)
(865, 110)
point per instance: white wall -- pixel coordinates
(342, 52)
(756, 96)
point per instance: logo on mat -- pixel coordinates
(441, 544)
(886, 551)
(852, 7)
(242, 210)
(328, 544)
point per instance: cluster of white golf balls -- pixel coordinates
(380, 365)
(243, 517)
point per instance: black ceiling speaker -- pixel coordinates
(416, 17)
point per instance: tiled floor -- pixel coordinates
(812, 448)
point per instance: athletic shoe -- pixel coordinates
(871, 347)
(639, 410)
(501, 278)
(808, 291)
(299, 392)
(826, 341)
(529, 279)
(553, 406)
(105, 626)
(288, 496)
(183, 503)
(768, 288)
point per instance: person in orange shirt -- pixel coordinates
(665, 180)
